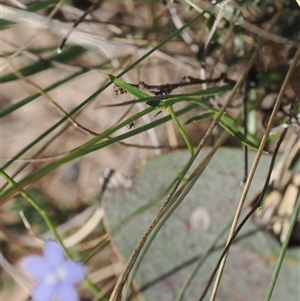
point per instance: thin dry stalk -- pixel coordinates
(14, 13)
(166, 206)
(51, 100)
(254, 166)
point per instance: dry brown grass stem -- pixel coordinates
(167, 205)
(255, 164)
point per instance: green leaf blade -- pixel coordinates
(228, 123)
(69, 54)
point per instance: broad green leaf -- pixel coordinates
(192, 228)
(69, 54)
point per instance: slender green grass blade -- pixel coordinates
(228, 123)
(41, 5)
(127, 87)
(201, 117)
(86, 101)
(88, 148)
(28, 99)
(283, 250)
(5, 24)
(69, 54)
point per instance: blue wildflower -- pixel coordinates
(55, 276)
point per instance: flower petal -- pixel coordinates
(75, 272)
(43, 292)
(54, 253)
(65, 292)
(35, 266)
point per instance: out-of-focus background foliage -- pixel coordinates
(110, 38)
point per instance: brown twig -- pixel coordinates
(168, 88)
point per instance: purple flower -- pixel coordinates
(55, 276)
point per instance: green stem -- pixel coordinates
(168, 213)
(201, 261)
(85, 149)
(283, 250)
(85, 102)
(182, 131)
(94, 289)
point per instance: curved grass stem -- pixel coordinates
(93, 288)
(253, 170)
(167, 213)
(181, 131)
(175, 199)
